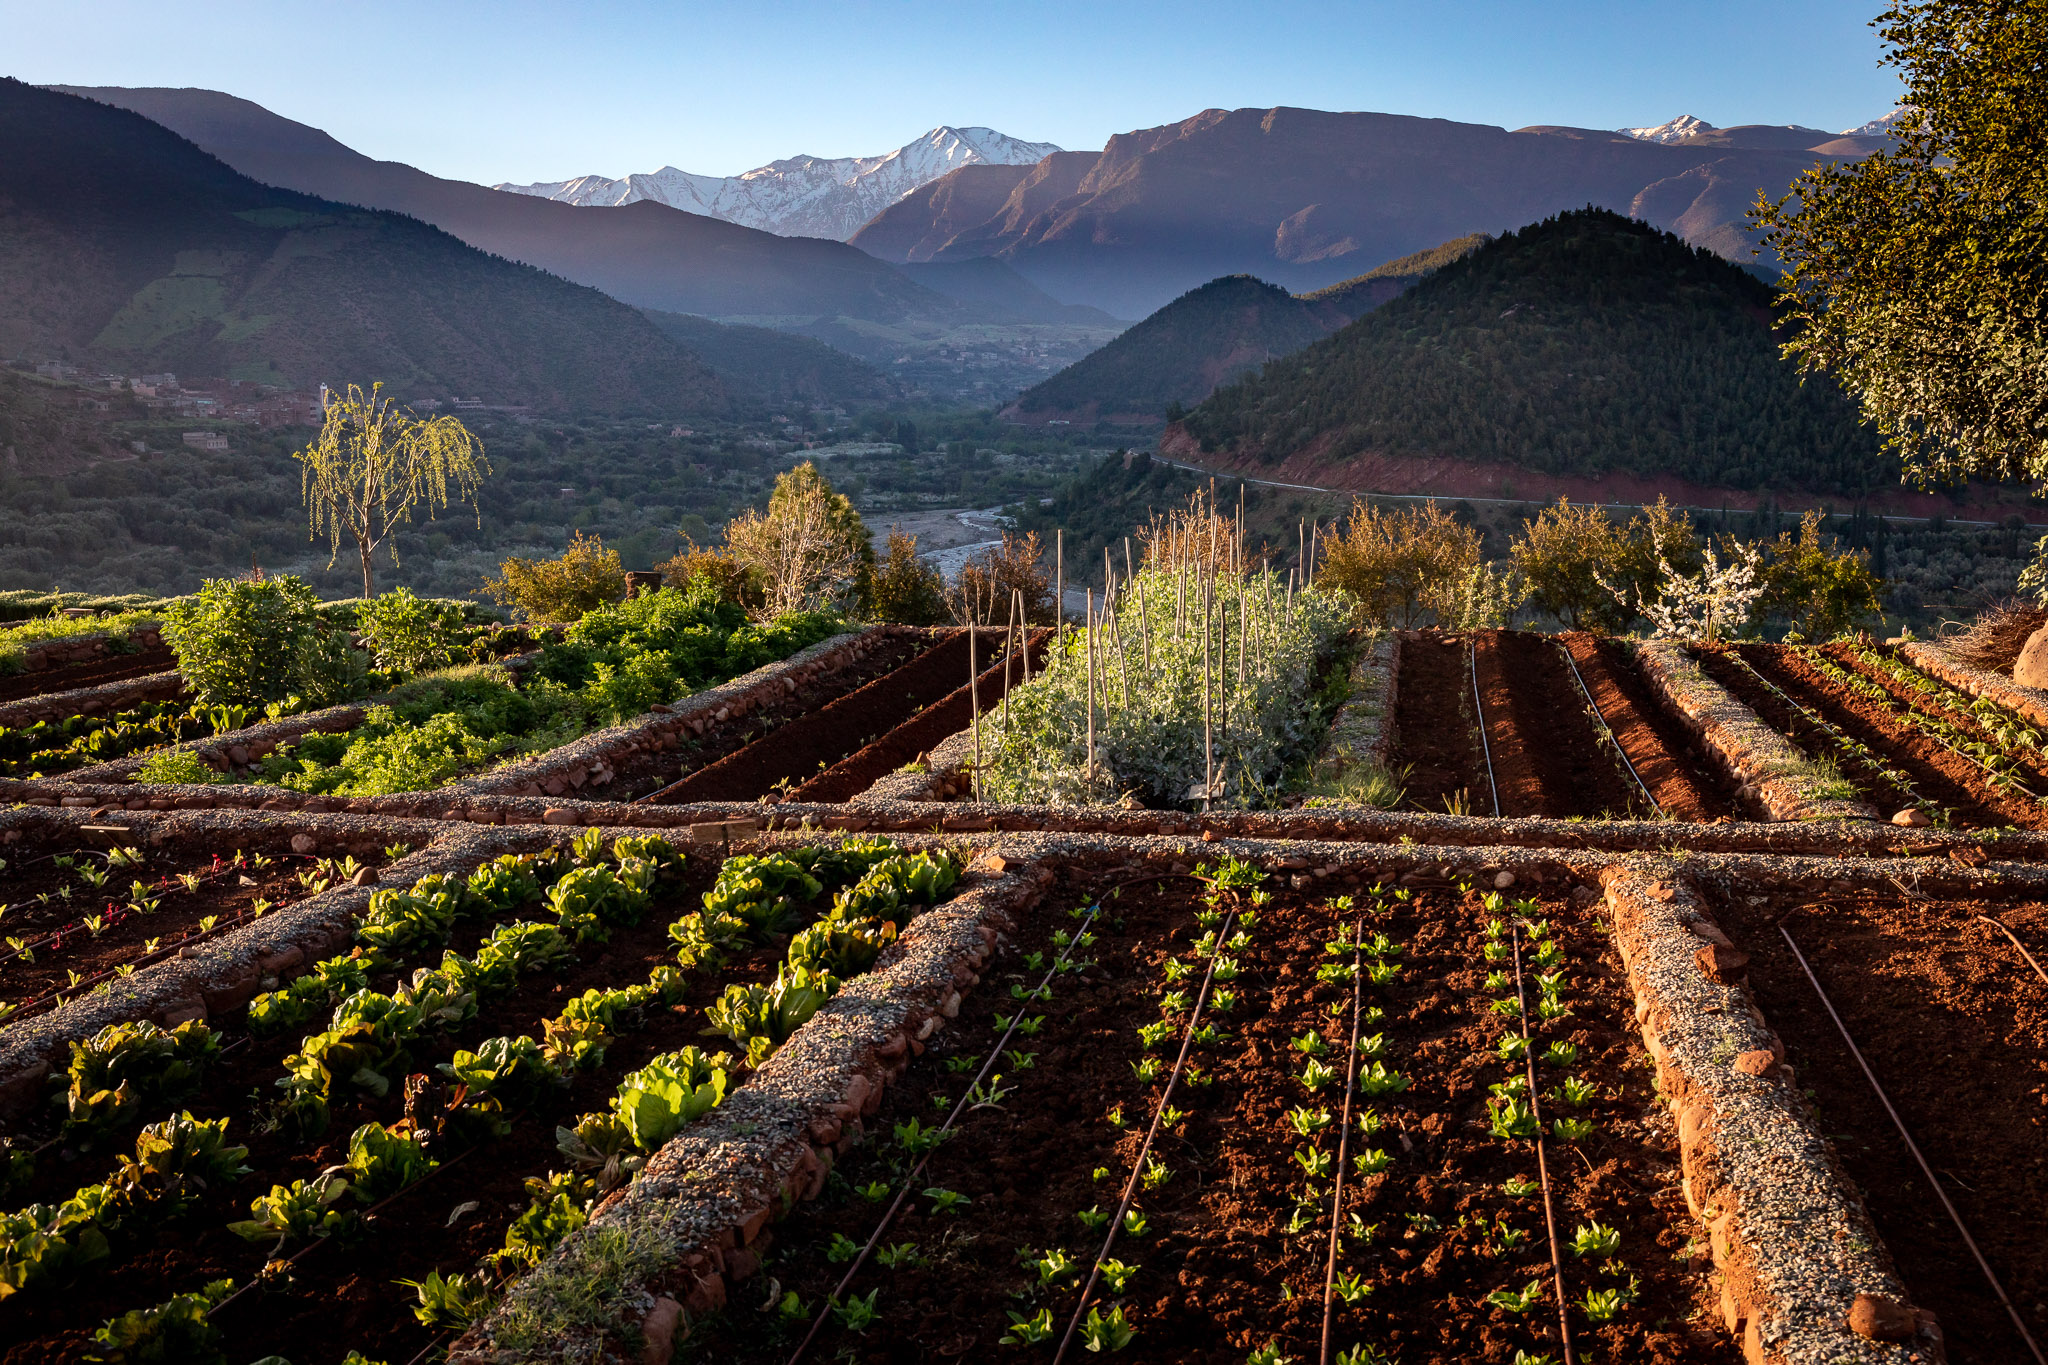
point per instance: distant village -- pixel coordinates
(164, 397)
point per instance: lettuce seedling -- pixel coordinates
(1152, 1035)
(1310, 1043)
(1496, 951)
(944, 1200)
(1512, 1048)
(1134, 1223)
(1171, 1117)
(1372, 1045)
(1512, 1119)
(1496, 982)
(1308, 1122)
(1315, 1075)
(1350, 1287)
(1173, 1002)
(296, 1210)
(1519, 1187)
(1148, 1069)
(1596, 1239)
(1269, 1354)
(1369, 1121)
(1604, 1305)
(1028, 1331)
(875, 1191)
(858, 1313)
(1376, 1080)
(1561, 1054)
(1196, 1077)
(1021, 1061)
(1208, 1035)
(1364, 1354)
(841, 1249)
(1054, 1267)
(1571, 1130)
(1530, 1296)
(1576, 1092)
(1226, 969)
(449, 1304)
(959, 1064)
(1099, 1333)
(1093, 1218)
(1223, 1002)
(1372, 1161)
(1156, 1175)
(1116, 1275)
(1315, 1164)
(916, 1139)
(900, 1254)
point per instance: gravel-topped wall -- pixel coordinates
(1932, 659)
(237, 749)
(1773, 773)
(1791, 1240)
(65, 650)
(93, 701)
(220, 974)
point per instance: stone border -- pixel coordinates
(61, 651)
(1788, 1233)
(589, 760)
(218, 751)
(1362, 731)
(1931, 659)
(1769, 767)
(220, 974)
(88, 701)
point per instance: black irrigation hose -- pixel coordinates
(1479, 710)
(1613, 740)
(1343, 1146)
(910, 1180)
(1990, 1277)
(1836, 737)
(1564, 1322)
(1116, 1222)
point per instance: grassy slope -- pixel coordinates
(1582, 344)
(123, 245)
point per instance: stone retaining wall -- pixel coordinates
(78, 649)
(2028, 702)
(1789, 1236)
(93, 701)
(1773, 773)
(235, 751)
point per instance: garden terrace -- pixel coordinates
(1927, 987)
(68, 661)
(99, 699)
(597, 1064)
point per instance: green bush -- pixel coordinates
(241, 641)
(410, 634)
(177, 766)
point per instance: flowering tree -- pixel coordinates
(1704, 606)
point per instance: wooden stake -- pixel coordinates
(1088, 640)
(1059, 582)
(1145, 626)
(974, 697)
(1208, 718)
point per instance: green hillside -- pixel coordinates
(759, 363)
(124, 246)
(1357, 297)
(1204, 338)
(1579, 345)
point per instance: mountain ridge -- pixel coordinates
(802, 196)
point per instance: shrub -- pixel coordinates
(905, 589)
(410, 634)
(981, 594)
(1399, 564)
(181, 766)
(1565, 552)
(809, 550)
(733, 581)
(247, 641)
(585, 577)
(1821, 591)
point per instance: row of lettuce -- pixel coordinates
(364, 1036)
(251, 650)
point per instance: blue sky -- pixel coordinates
(528, 91)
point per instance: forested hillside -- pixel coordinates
(125, 246)
(1584, 344)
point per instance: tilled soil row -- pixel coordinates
(2032, 762)
(1435, 745)
(1927, 990)
(1548, 756)
(1229, 1262)
(1664, 754)
(1938, 773)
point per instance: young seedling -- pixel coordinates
(1571, 1130)
(1195, 1076)
(1575, 1092)
(1373, 1045)
(1170, 1117)
(1094, 1219)
(1223, 1002)
(1115, 1117)
(1269, 1354)
(1148, 1069)
(1372, 1161)
(1134, 1223)
(1099, 1174)
(1596, 1239)
(1499, 982)
(1308, 1122)
(1208, 1035)
(916, 1139)
(1152, 1035)
(1363, 1354)
(1604, 1305)
(874, 1191)
(959, 1064)
(945, 1201)
(1530, 1296)
(1111, 1333)
(1175, 970)
(1561, 1054)
(1512, 1119)
(1519, 1187)
(1116, 1275)
(1315, 1075)
(901, 1254)
(1317, 1165)
(841, 1249)
(1157, 1173)
(1513, 1048)
(1350, 1287)
(1369, 1121)
(1054, 1267)
(1173, 1002)
(1028, 1331)
(1375, 1081)
(1225, 969)
(858, 1313)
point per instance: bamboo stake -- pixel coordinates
(1208, 719)
(1059, 582)
(1088, 639)
(1024, 631)
(1145, 626)
(1129, 572)
(974, 697)
(1123, 666)
(1009, 653)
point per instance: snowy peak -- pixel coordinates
(804, 196)
(1880, 127)
(1677, 130)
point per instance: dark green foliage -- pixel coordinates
(1582, 344)
(243, 641)
(173, 1333)
(767, 366)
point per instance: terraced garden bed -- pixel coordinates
(1162, 1204)
(382, 1119)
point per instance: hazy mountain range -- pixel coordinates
(803, 196)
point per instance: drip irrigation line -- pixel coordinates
(1564, 1322)
(910, 1180)
(1343, 1146)
(429, 1348)
(1479, 710)
(1864, 756)
(1990, 1276)
(1116, 1222)
(2017, 944)
(1613, 740)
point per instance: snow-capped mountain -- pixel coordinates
(1880, 127)
(1677, 130)
(804, 196)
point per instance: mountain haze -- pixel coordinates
(158, 257)
(1304, 198)
(646, 254)
(803, 196)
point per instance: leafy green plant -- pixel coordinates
(1521, 1301)
(1596, 1239)
(672, 1090)
(175, 1332)
(124, 1067)
(409, 634)
(513, 1071)
(1604, 1305)
(449, 1303)
(382, 1161)
(1028, 1331)
(1512, 1119)
(1571, 1130)
(43, 1243)
(176, 1161)
(946, 1201)
(244, 641)
(1106, 1332)
(857, 1313)
(1350, 1287)
(1269, 1354)
(301, 1209)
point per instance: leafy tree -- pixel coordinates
(374, 462)
(586, 577)
(1918, 277)
(1820, 590)
(904, 588)
(809, 550)
(248, 640)
(1567, 555)
(1400, 564)
(732, 579)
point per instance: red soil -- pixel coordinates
(1663, 752)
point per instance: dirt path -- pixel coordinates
(1548, 755)
(1436, 748)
